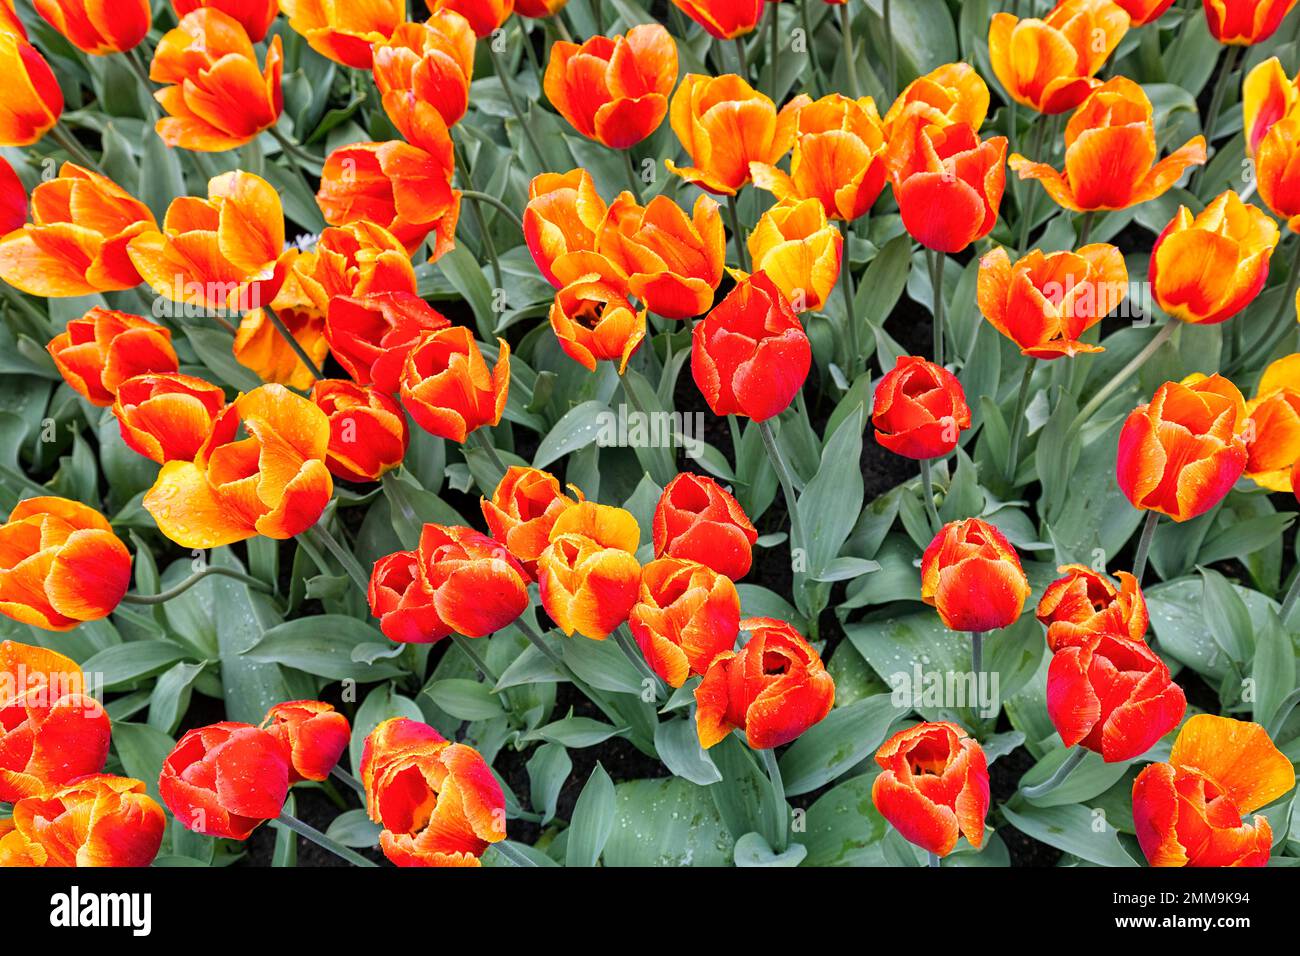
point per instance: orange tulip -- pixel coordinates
(588, 575)
(1267, 95)
(686, 615)
(312, 734)
(404, 188)
(1085, 603)
(593, 319)
(167, 416)
(345, 32)
(1188, 812)
(774, 688)
(225, 780)
(370, 335)
(1049, 65)
(724, 124)
(614, 91)
(1142, 12)
(100, 820)
(359, 259)
(1044, 303)
(1245, 22)
(259, 346)
(273, 482)
(563, 214)
(1181, 453)
(438, 802)
(13, 200)
(60, 564)
(723, 19)
(1110, 151)
(697, 520)
(972, 576)
(426, 66)
(799, 251)
(1277, 169)
(9, 22)
(448, 388)
(368, 434)
(223, 253)
(217, 98)
(539, 8)
(255, 16)
(919, 409)
(947, 183)
(522, 511)
(66, 253)
(952, 93)
(838, 158)
(51, 731)
(99, 27)
(32, 104)
(485, 16)
(1272, 431)
(103, 348)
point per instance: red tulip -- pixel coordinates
(312, 735)
(971, 575)
(696, 519)
(920, 409)
(225, 780)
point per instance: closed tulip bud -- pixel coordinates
(447, 386)
(1142, 12)
(564, 212)
(260, 346)
(614, 90)
(51, 731)
(1110, 153)
(1112, 696)
(33, 101)
(103, 348)
(1272, 432)
(724, 124)
(1277, 169)
(209, 59)
(954, 93)
(971, 575)
(750, 355)
(426, 66)
(1267, 95)
(1182, 452)
(99, 27)
(13, 200)
(99, 821)
(225, 780)
(1084, 603)
(723, 19)
(1208, 267)
(1245, 22)
(370, 335)
(225, 253)
(485, 16)
(593, 320)
(920, 409)
(838, 158)
(538, 9)
(357, 260)
(438, 802)
(589, 576)
(273, 482)
(255, 16)
(686, 615)
(404, 188)
(368, 433)
(63, 254)
(312, 735)
(795, 246)
(1044, 303)
(345, 32)
(933, 786)
(60, 564)
(1049, 65)
(523, 509)
(697, 520)
(1190, 811)
(947, 183)
(167, 416)
(673, 262)
(774, 688)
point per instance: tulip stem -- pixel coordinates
(338, 773)
(780, 831)
(481, 439)
(164, 596)
(812, 47)
(1283, 712)
(1228, 67)
(320, 534)
(850, 320)
(511, 854)
(633, 179)
(1144, 544)
(1283, 321)
(927, 492)
(798, 550)
(628, 645)
(977, 651)
(774, 33)
(1018, 422)
(850, 63)
(293, 343)
(484, 669)
(491, 200)
(530, 632)
(1118, 380)
(891, 50)
(743, 58)
(315, 836)
(476, 207)
(132, 57)
(293, 148)
(1292, 595)
(508, 85)
(63, 136)
(737, 236)
(1055, 780)
(1085, 227)
(933, 860)
(937, 260)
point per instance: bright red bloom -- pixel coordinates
(523, 509)
(1084, 603)
(774, 688)
(448, 388)
(33, 100)
(426, 66)
(100, 820)
(167, 416)
(370, 335)
(1112, 696)
(723, 19)
(358, 260)
(13, 200)
(933, 786)
(920, 409)
(312, 735)
(698, 520)
(686, 616)
(485, 16)
(103, 348)
(368, 433)
(225, 780)
(99, 27)
(971, 575)
(1143, 12)
(750, 355)
(347, 31)
(255, 16)
(1245, 22)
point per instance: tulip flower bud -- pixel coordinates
(919, 409)
(99, 27)
(686, 615)
(1142, 12)
(255, 16)
(101, 820)
(358, 260)
(447, 386)
(723, 19)
(371, 335)
(312, 735)
(345, 33)
(225, 780)
(1267, 95)
(537, 9)
(1245, 22)
(593, 319)
(368, 433)
(795, 247)
(33, 100)
(98, 352)
(971, 575)
(1084, 603)
(167, 416)
(13, 198)
(426, 66)
(1272, 430)
(485, 16)
(589, 576)
(563, 214)
(954, 93)
(697, 520)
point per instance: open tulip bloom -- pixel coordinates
(510, 433)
